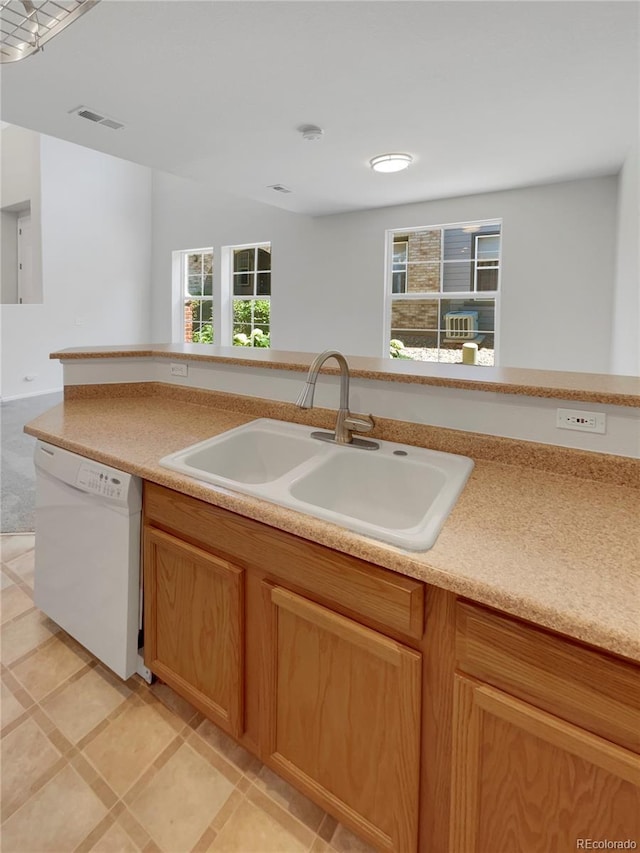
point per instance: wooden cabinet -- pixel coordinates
(194, 626)
(539, 777)
(341, 714)
(467, 732)
(316, 643)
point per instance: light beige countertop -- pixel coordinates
(587, 387)
(559, 549)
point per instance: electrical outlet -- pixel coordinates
(581, 421)
(178, 369)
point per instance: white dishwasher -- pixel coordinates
(87, 554)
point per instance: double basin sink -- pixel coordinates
(397, 493)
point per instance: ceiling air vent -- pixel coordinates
(280, 188)
(97, 118)
(91, 116)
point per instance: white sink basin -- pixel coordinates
(257, 453)
(399, 493)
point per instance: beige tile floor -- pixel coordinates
(90, 763)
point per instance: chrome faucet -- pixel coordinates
(346, 423)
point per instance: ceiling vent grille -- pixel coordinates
(96, 118)
(279, 188)
(26, 25)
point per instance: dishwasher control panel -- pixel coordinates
(100, 482)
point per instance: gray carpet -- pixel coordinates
(18, 484)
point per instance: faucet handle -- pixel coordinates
(359, 423)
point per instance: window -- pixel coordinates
(197, 291)
(443, 285)
(251, 289)
(399, 268)
(487, 261)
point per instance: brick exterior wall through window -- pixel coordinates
(188, 323)
(423, 276)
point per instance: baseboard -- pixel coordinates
(33, 394)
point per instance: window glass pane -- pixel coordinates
(400, 253)
(194, 307)
(264, 258)
(264, 283)
(423, 277)
(411, 319)
(488, 246)
(251, 322)
(423, 257)
(243, 284)
(399, 284)
(458, 244)
(208, 285)
(207, 263)
(194, 264)
(243, 260)
(206, 310)
(194, 285)
(487, 279)
(466, 319)
(261, 314)
(457, 276)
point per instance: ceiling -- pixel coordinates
(484, 95)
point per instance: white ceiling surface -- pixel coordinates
(485, 95)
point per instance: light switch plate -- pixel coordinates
(178, 369)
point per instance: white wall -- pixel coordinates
(20, 158)
(328, 272)
(19, 190)
(625, 336)
(96, 242)
(187, 216)
(489, 412)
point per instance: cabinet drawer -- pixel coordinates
(596, 691)
(381, 597)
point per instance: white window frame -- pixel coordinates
(228, 295)
(180, 275)
(466, 295)
(476, 240)
(395, 263)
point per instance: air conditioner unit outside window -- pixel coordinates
(461, 325)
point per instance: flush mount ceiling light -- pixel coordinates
(26, 25)
(391, 162)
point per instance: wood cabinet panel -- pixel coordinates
(437, 710)
(381, 597)
(590, 688)
(525, 780)
(194, 626)
(341, 717)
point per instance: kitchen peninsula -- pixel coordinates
(514, 639)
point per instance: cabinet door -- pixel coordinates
(341, 717)
(525, 780)
(194, 626)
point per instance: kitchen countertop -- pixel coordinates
(565, 385)
(552, 548)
